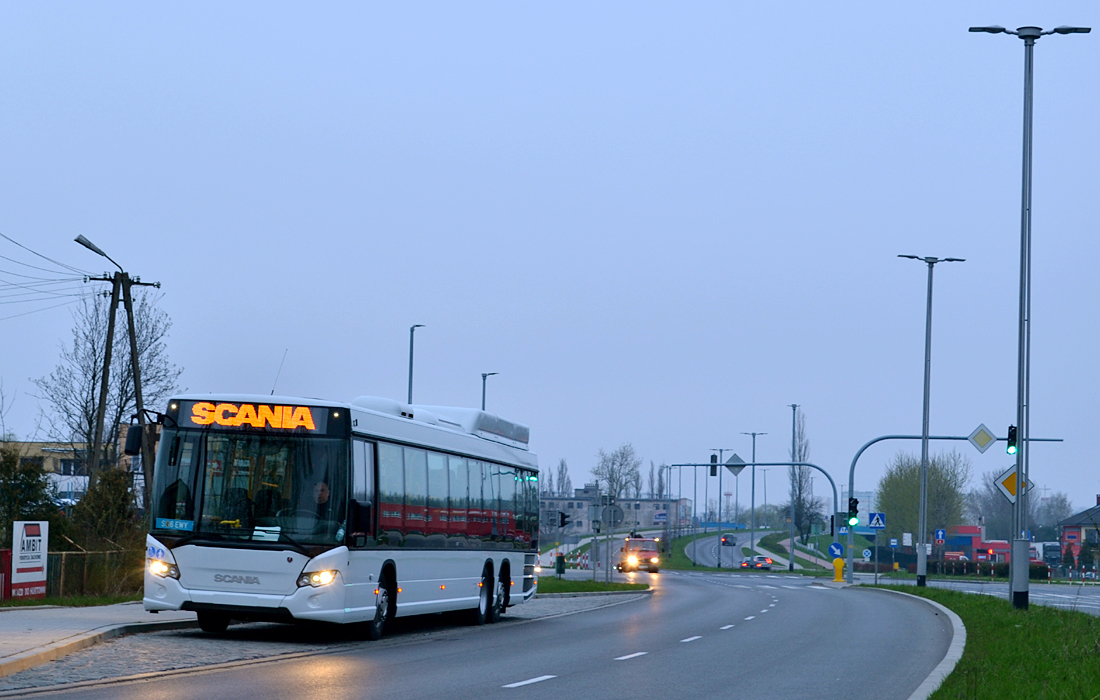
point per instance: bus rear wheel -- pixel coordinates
(480, 615)
(212, 622)
(500, 600)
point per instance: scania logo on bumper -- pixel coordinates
(233, 578)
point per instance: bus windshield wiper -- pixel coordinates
(296, 545)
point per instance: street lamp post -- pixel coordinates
(1018, 574)
(484, 376)
(752, 497)
(121, 284)
(412, 335)
(794, 474)
(922, 526)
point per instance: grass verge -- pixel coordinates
(72, 602)
(552, 584)
(1036, 653)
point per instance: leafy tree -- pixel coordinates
(617, 471)
(25, 492)
(898, 493)
(1087, 557)
(1067, 556)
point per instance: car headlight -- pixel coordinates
(653, 560)
(317, 578)
(163, 569)
(632, 559)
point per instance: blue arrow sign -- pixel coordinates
(836, 550)
(941, 534)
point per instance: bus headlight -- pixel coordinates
(538, 569)
(163, 569)
(632, 560)
(316, 579)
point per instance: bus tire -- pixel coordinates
(383, 609)
(212, 622)
(480, 615)
(500, 597)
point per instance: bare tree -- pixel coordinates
(565, 484)
(807, 509)
(618, 470)
(661, 481)
(546, 483)
(652, 479)
(987, 506)
(72, 389)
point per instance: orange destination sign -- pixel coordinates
(232, 415)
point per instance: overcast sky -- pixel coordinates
(661, 223)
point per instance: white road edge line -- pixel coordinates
(529, 681)
(691, 639)
(725, 627)
(631, 656)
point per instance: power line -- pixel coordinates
(27, 313)
(55, 262)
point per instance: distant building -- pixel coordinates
(63, 463)
(1082, 528)
(638, 513)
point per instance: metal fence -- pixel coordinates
(94, 573)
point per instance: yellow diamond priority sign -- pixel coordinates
(982, 438)
(1007, 484)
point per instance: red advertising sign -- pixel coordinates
(30, 545)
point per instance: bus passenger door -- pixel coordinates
(361, 529)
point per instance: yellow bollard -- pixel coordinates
(838, 570)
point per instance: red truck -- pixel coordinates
(640, 553)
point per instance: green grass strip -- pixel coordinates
(1041, 652)
(552, 584)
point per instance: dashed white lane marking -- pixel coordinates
(795, 588)
(740, 586)
(764, 585)
(750, 617)
(691, 639)
(631, 656)
(764, 610)
(771, 605)
(725, 627)
(529, 681)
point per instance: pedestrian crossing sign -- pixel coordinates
(878, 521)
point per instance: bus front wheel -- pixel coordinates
(382, 609)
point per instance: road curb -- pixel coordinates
(585, 594)
(954, 650)
(56, 650)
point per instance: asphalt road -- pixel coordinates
(708, 547)
(710, 635)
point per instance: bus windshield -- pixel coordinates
(255, 487)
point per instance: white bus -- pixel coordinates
(286, 509)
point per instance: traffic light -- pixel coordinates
(853, 512)
(563, 519)
(714, 465)
(1011, 447)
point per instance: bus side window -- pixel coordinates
(460, 504)
(361, 526)
(391, 494)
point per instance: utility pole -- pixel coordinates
(752, 503)
(121, 284)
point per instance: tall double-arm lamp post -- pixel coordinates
(1018, 575)
(484, 376)
(412, 336)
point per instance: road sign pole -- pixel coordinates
(876, 557)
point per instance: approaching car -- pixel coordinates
(728, 540)
(758, 562)
(639, 553)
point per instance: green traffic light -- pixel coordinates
(853, 520)
(1011, 449)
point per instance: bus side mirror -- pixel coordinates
(133, 441)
